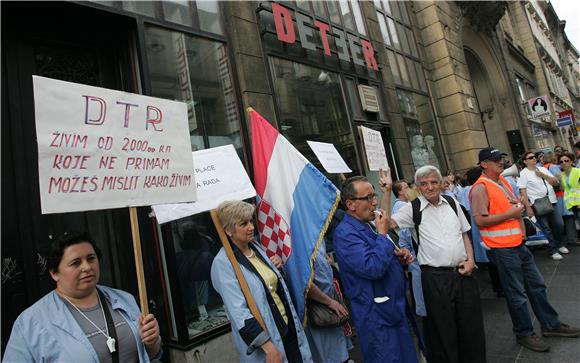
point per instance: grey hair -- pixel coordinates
(232, 212)
(426, 171)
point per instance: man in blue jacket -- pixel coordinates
(371, 269)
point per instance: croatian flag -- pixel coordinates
(296, 204)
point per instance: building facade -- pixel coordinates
(439, 80)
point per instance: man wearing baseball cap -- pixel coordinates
(498, 214)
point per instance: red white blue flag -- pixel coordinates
(296, 204)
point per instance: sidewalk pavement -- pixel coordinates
(563, 281)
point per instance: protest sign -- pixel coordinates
(329, 157)
(219, 176)
(101, 148)
(374, 148)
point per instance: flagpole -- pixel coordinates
(239, 275)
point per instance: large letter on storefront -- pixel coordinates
(284, 26)
(369, 54)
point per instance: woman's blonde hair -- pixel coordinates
(234, 211)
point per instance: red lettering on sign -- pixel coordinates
(323, 35)
(369, 54)
(284, 26)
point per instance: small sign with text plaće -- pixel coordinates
(374, 149)
(219, 176)
(100, 148)
(329, 157)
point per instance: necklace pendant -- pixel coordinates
(111, 344)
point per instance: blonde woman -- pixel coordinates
(284, 339)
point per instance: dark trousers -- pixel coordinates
(290, 342)
(454, 330)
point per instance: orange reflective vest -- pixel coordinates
(507, 233)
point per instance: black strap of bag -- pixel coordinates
(418, 215)
(110, 326)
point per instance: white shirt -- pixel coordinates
(536, 186)
(440, 232)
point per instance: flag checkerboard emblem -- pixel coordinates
(274, 232)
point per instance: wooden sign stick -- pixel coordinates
(239, 275)
(138, 261)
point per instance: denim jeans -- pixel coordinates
(552, 225)
(521, 280)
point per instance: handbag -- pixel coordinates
(543, 206)
(321, 316)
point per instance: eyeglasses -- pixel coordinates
(562, 161)
(530, 158)
(369, 198)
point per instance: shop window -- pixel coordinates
(178, 11)
(311, 107)
(421, 77)
(353, 98)
(393, 32)
(404, 13)
(209, 16)
(201, 14)
(403, 37)
(358, 18)
(346, 15)
(412, 74)
(303, 4)
(319, 9)
(334, 12)
(394, 67)
(140, 7)
(195, 245)
(403, 68)
(421, 130)
(384, 31)
(412, 43)
(196, 71)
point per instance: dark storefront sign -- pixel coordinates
(361, 50)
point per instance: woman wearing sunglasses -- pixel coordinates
(536, 184)
(570, 180)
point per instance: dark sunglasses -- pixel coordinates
(562, 161)
(530, 157)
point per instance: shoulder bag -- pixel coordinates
(321, 316)
(543, 206)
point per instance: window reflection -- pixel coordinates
(196, 71)
(178, 11)
(312, 108)
(209, 16)
(196, 246)
(421, 130)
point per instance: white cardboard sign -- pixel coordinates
(374, 148)
(100, 148)
(219, 176)
(329, 157)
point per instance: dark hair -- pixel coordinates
(57, 247)
(577, 145)
(523, 157)
(472, 175)
(398, 186)
(539, 154)
(567, 154)
(348, 191)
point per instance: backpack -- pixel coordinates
(418, 214)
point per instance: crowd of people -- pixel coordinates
(426, 245)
